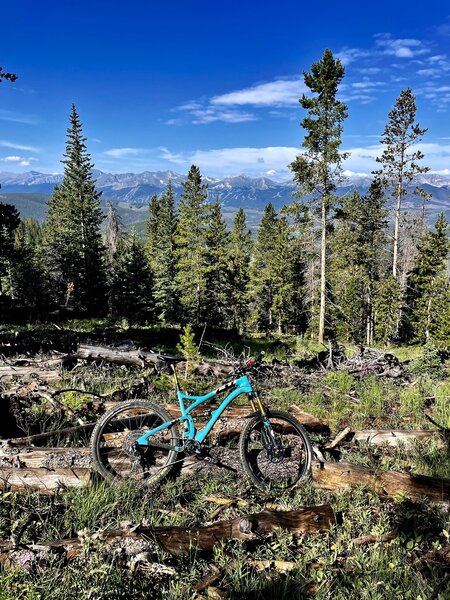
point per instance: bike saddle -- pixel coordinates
(171, 360)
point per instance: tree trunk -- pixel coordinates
(323, 251)
(180, 540)
(395, 438)
(397, 221)
(45, 480)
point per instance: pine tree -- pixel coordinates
(4, 75)
(218, 289)
(261, 286)
(399, 161)
(387, 307)
(428, 281)
(285, 280)
(191, 248)
(72, 247)
(153, 223)
(358, 262)
(238, 268)
(131, 290)
(28, 283)
(9, 222)
(318, 169)
(164, 269)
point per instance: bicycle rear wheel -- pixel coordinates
(275, 451)
(114, 448)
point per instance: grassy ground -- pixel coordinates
(329, 565)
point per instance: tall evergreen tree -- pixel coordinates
(191, 248)
(218, 289)
(261, 286)
(358, 262)
(428, 282)
(164, 265)
(9, 222)
(318, 169)
(72, 241)
(238, 268)
(153, 223)
(399, 160)
(286, 278)
(131, 290)
(28, 282)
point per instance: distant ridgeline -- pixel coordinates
(130, 192)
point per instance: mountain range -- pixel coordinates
(130, 191)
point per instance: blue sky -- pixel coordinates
(162, 85)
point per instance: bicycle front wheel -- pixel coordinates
(275, 451)
(114, 448)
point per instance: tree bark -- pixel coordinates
(323, 250)
(334, 476)
(180, 540)
(44, 480)
(393, 437)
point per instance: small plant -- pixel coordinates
(428, 363)
(187, 346)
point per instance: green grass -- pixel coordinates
(329, 565)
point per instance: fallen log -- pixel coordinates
(139, 358)
(44, 458)
(179, 540)
(394, 437)
(334, 476)
(43, 480)
(60, 433)
(42, 372)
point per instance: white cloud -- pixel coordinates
(281, 92)
(15, 117)
(224, 162)
(401, 48)
(367, 84)
(17, 160)
(14, 146)
(122, 152)
(429, 72)
(11, 159)
(349, 55)
(209, 115)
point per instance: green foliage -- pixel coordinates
(428, 363)
(400, 160)
(275, 275)
(163, 258)
(131, 284)
(217, 277)
(387, 306)
(317, 170)
(5, 76)
(9, 221)
(239, 264)
(187, 346)
(72, 249)
(191, 252)
(357, 263)
(427, 291)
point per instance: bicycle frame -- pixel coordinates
(242, 385)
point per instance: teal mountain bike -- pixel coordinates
(140, 440)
